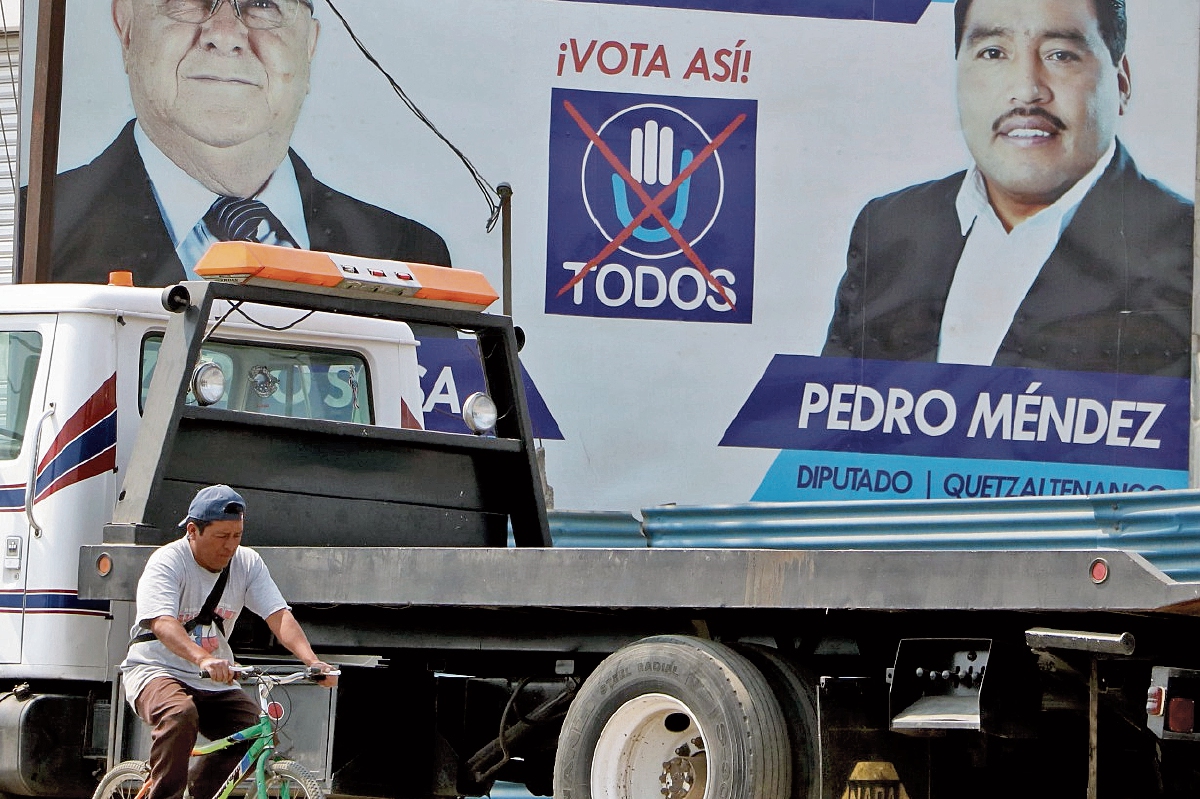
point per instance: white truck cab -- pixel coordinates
(75, 367)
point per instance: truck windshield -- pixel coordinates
(280, 381)
(20, 352)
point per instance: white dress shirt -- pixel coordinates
(183, 202)
(998, 267)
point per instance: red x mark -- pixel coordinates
(652, 207)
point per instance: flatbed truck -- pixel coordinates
(474, 650)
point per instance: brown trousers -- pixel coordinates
(177, 712)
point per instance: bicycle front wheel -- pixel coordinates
(124, 781)
(287, 779)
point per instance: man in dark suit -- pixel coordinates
(217, 87)
(1053, 251)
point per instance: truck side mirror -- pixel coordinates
(176, 299)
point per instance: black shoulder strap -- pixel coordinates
(207, 614)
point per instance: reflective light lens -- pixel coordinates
(1155, 706)
(104, 564)
(479, 412)
(208, 384)
(1099, 570)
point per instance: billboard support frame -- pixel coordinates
(505, 192)
(46, 118)
(1194, 437)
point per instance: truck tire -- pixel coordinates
(794, 688)
(674, 717)
(123, 781)
(295, 779)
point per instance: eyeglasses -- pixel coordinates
(256, 14)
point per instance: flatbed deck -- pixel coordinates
(1055, 580)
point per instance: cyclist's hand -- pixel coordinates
(324, 668)
(217, 669)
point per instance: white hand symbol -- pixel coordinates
(651, 153)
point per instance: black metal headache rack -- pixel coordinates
(313, 482)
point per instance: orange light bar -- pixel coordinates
(328, 273)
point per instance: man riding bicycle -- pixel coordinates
(188, 599)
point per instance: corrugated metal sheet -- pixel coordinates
(1162, 526)
(591, 529)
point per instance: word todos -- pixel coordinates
(616, 286)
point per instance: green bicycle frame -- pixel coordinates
(262, 738)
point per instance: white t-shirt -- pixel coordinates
(174, 584)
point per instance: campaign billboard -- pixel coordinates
(762, 250)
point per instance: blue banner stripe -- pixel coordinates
(907, 11)
(816, 476)
(973, 412)
(91, 443)
(12, 498)
(51, 601)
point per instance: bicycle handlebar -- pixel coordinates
(309, 673)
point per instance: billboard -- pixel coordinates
(763, 250)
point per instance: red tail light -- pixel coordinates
(1181, 715)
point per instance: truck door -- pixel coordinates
(24, 357)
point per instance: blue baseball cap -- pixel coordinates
(218, 503)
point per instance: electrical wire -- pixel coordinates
(272, 328)
(512, 701)
(237, 306)
(233, 306)
(11, 79)
(489, 193)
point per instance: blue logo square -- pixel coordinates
(651, 207)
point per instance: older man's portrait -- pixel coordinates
(1052, 250)
(217, 87)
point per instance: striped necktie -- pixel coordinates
(241, 219)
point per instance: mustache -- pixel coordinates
(1029, 112)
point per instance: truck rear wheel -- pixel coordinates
(123, 781)
(794, 690)
(677, 717)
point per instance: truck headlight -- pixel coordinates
(479, 412)
(208, 384)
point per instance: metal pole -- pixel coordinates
(1194, 438)
(505, 191)
(38, 230)
(1093, 728)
